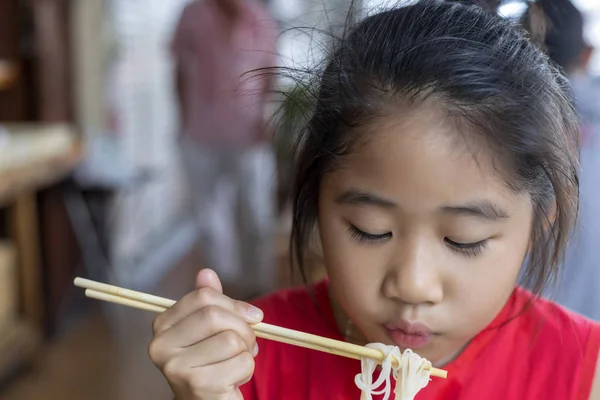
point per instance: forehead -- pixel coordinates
(425, 159)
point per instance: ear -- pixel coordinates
(550, 215)
(549, 219)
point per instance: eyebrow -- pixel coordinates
(361, 198)
(483, 209)
(480, 208)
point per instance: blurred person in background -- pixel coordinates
(579, 287)
(219, 47)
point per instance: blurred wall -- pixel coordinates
(89, 60)
(123, 90)
(125, 104)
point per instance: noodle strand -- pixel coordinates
(412, 373)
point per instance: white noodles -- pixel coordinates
(411, 374)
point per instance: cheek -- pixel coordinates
(343, 258)
(353, 268)
(496, 271)
(479, 292)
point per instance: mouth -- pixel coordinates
(412, 335)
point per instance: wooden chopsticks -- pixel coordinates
(148, 302)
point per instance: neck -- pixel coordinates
(344, 323)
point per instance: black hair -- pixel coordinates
(560, 25)
(564, 38)
(485, 73)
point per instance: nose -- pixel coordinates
(413, 277)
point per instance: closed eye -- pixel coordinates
(363, 236)
(469, 249)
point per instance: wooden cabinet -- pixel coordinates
(19, 192)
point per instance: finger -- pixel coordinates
(205, 323)
(202, 298)
(238, 393)
(208, 278)
(227, 375)
(215, 350)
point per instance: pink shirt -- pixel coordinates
(219, 105)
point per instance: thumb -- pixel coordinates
(208, 278)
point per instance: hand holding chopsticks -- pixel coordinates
(148, 302)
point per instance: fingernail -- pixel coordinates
(255, 351)
(253, 312)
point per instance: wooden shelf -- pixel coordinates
(20, 180)
(8, 75)
(18, 345)
(37, 175)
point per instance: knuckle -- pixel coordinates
(155, 352)
(247, 362)
(204, 296)
(251, 335)
(157, 325)
(212, 314)
(173, 371)
(233, 341)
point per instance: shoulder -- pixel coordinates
(304, 308)
(562, 340)
(550, 323)
(279, 304)
(282, 368)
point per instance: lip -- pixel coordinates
(412, 335)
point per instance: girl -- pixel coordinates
(441, 155)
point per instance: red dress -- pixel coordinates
(545, 353)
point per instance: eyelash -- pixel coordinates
(363, 236)
(467, 249)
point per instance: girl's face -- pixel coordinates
(422, 239)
